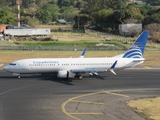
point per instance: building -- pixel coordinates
(2, 28)
(28, 32)
(130, 29)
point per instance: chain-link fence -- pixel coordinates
(61, 48)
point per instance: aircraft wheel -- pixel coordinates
(19, 77)
(80, 77)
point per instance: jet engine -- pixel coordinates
(65, 74)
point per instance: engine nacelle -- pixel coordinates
(65, 74)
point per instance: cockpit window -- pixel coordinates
(12, 64)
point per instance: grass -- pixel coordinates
(66, 43)
(149, 108)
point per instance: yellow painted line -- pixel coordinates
(147, 67)
(108, 92)
(14, 89)
(88, 113)
(72, 99)
(87, 102)
(65, 112)
(116, 94)
(1, 64)
(139, 89)
(64, 104)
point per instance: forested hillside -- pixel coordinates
(105, 14)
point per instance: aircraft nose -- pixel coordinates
(5, 67)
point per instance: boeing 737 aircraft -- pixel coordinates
(75, 67)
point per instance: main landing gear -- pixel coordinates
(79, 76)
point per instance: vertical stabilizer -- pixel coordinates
(137, 49)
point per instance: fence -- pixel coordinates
(61, 48)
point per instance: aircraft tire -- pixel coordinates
(80, 77)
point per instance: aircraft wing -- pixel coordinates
(87, 70)
(95, 71)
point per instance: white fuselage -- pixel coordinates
(49, 65)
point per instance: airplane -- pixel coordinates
(75, 67)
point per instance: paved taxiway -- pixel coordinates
(104, 97)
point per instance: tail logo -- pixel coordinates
(133, 52)
(137, 49)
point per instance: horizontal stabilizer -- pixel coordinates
(138, 60)
(112, 71)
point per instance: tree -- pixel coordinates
(145, 9)
(153, 2)
(4, 17)
(116, 4)
(153, 17)
(120, 15)
(96, 5)
(3, 13)
(44, 16)
(91, 6)
(2, 2)
(65, 3)
(10, 2)
(154, 30)
(53, 9)
(81, 20)
(26, 3)
(102, 17)
(130, 14)
(79, 4)
(68, 13)
(130, 20)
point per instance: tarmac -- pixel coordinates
(103, 97)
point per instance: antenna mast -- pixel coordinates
(18, 3)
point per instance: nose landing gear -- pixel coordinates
(17, 74)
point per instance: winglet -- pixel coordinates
(83, 53)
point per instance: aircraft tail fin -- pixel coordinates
(137, 48)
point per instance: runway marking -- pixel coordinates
(65, 112)
(1, 65)
(147, 67)
(101, 92)
(64, 104)
(116, 94)
(83, 113)
(125, 90)
(73, 99)
(14, 89)
(87, 102)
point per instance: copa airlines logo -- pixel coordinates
(133, 52)
(45, 62)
